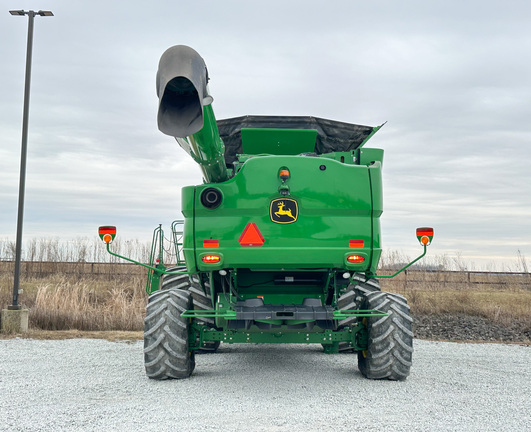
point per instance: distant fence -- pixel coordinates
(459, 279)
(417, 278)
(41, 269)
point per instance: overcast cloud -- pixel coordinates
(452, 79)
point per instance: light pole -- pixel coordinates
(22, 185)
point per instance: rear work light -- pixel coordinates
(211, 259)
(211, 198)
(355, 259)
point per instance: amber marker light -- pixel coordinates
(210, 243)
(211, 259)
(356, 243)
(355, 259)
(284, 174)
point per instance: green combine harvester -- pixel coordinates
(281, 242)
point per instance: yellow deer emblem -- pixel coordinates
(282, 212)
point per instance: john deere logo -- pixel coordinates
(284, 210)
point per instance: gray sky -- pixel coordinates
(452, 78)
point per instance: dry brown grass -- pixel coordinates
(67, 303)
(101, 302)
(501, 299)
(86, 306)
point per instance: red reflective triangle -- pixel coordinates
(251, 236)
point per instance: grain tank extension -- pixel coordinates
(281, 242)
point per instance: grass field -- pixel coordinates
(500, 299)
(113, 298)
(66, 302)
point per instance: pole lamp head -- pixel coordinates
(425, 236)
(107, 233)
(23, 12)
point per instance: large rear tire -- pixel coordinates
(201, 298)
(178, 281)
(203, 301)
(390, 338)
(352, 299)
(166, 346)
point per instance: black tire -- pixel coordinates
(179, 281)
(166, 349)
(202, 299)
(390, 340)
(352, 299)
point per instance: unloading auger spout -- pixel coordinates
(185, 110)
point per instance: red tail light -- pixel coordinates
(355, 259)
(211, 259)
(424, 232)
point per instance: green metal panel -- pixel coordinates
(335, 206)
(356, 336)
(278, 141)
(367, 156)
(375, 175)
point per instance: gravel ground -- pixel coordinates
(96, 385)
(462, 327)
